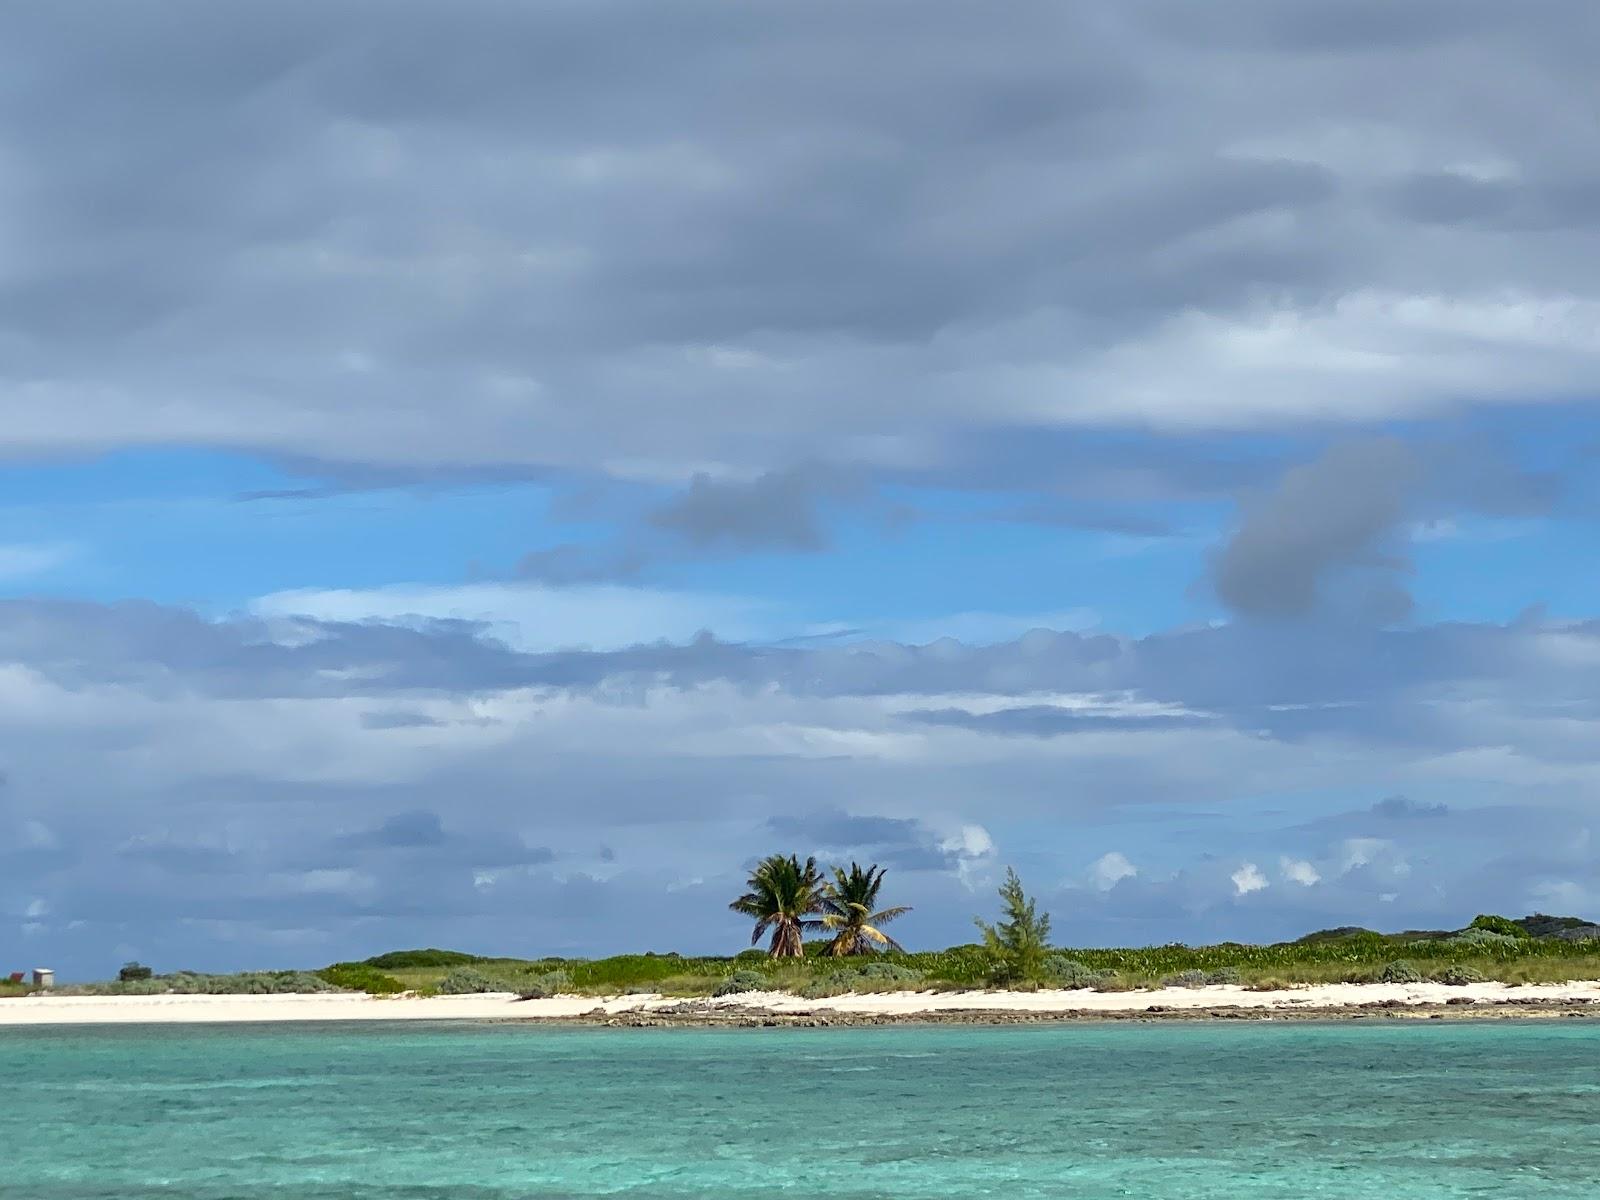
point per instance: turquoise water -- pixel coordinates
(1168, 1110)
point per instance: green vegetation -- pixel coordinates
(1063, 972)
(783, 897)
(527, 984)
(1501, 925)
(1362, 956)
(742, 981)
(850, 909)
(245, 983)
(790, 899)
(1017, 944)
(360, 977)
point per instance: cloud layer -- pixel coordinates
(761, 329)
(739, 240)
(294, 788)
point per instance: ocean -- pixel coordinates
(1191, 1110)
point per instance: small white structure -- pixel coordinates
(44, 978)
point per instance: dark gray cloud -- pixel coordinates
(1332, 532)
(408, 829)
(778, 510)
(1326, 519)
(834, 828)
(508, 238)
(1403, 808)
(399, 719)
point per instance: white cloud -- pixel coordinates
(1298, 870)
(973, 851)
(1109, 868)
(1355, 853)
(1248, 878)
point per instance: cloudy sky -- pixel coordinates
(480, 474)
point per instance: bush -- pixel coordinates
(404, 960)
(750, 956)
(1341, 933)
(1478, 938)
(245, 983)
(1544, 925)
(465, 980)
(1457, 976)
(886, 972)
(1222, 975)
(134, 970)
(1494, 924)
(1185, 979)
(1400, 971)
(871, 976)
(825, 986)
(742, 981)
(551, 983)
(1063, 972)
(360, 977)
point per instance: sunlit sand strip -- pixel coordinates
(74, 1010)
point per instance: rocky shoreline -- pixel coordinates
(691, 1013)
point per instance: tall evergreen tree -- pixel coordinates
(1017, 942)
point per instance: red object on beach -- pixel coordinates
(16, 976)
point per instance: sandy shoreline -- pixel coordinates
(1323, 1000)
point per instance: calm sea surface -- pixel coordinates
(1170, 1110)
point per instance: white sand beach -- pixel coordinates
(177, 1009)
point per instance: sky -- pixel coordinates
(485, 474)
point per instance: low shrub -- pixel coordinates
(1540, 925)
(407, 960)
(1496, 924)
(361, 977)
(1063, 972)
(1477, 938)
(551, 983)
(886, 972)
(1222, 975)
(742, 981)
(1458, 976)
(462, 981)
(1400, 971)
(823, 987)
(1185, 979)
(868, 977)
(245, 983)
(1341, 933)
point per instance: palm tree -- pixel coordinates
(847, 906)
(783, 897)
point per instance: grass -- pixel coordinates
(1353, 957)
(1329, 956)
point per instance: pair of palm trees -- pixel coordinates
(793, 899)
